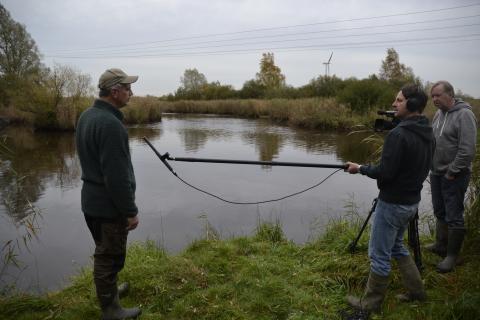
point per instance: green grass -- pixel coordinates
(263, 276)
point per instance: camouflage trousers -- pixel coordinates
(109, 258)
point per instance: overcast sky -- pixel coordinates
(224, 39)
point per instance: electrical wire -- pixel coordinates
(256, 202)
(167, 49)
(178, 46)
(364, 44)
(292, 26)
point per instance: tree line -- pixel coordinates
(30, 91)
(53, 97)
(269, 82)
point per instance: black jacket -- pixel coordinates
(108, 180)
(405, 163)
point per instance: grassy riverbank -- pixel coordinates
(259, 277)
(309, 113)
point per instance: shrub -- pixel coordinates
(365, 95)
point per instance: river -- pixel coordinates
(47, 176)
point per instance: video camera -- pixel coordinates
(383, 124)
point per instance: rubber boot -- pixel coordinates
(123, 289)
(455, 240)
(372, 299)
(411, 280)
(114, 311)
(439, 247)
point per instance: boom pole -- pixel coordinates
(167, 156)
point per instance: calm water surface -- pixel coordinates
(171, 213)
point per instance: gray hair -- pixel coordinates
(105, 92)
(447, 87)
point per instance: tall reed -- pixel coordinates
(472, 212)
(311, 113)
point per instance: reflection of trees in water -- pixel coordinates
(314, 142)
(353, 148)
(267, 144)
(195, 138)
(347, 147)
(137, 133)
(36, 159)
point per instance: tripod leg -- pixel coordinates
(353, 245)
(414, 241)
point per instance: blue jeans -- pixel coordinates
(448, 197)
(386, 238)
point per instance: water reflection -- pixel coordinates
(41, 158)
(267, 144)
(137, 133)
(36, 159)
(194, 139)
(44, 170)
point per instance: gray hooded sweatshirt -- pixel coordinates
(455, 133)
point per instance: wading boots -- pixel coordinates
(455, 240)
(372, 299)
(112, 310)
(439, 247)
(411, 280)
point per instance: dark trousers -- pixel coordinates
(109, 258)
(448, 197)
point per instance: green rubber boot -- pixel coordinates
(372, 299)
(455, 240)
(112, 310)
(439, 247)
(411, 280)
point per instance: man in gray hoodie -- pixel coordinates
(455, 131)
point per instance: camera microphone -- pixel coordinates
(389, 113)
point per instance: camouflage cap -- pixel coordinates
(114, 76)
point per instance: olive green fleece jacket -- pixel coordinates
(108, 189)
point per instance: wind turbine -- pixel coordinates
(327, 66)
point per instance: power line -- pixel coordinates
(103, 54)
(365, 44)
(179, 46)
(290, 26)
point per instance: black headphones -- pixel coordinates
(417, 102)
(414, 104)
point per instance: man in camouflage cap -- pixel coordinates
(108, 191)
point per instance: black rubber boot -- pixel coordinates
(411, 280)
(441, 240)
(455, 240)
(372, 299)
(113, 311)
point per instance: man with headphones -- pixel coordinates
(405, 162)
(455, 131)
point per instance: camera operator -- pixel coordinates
(405, 162)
